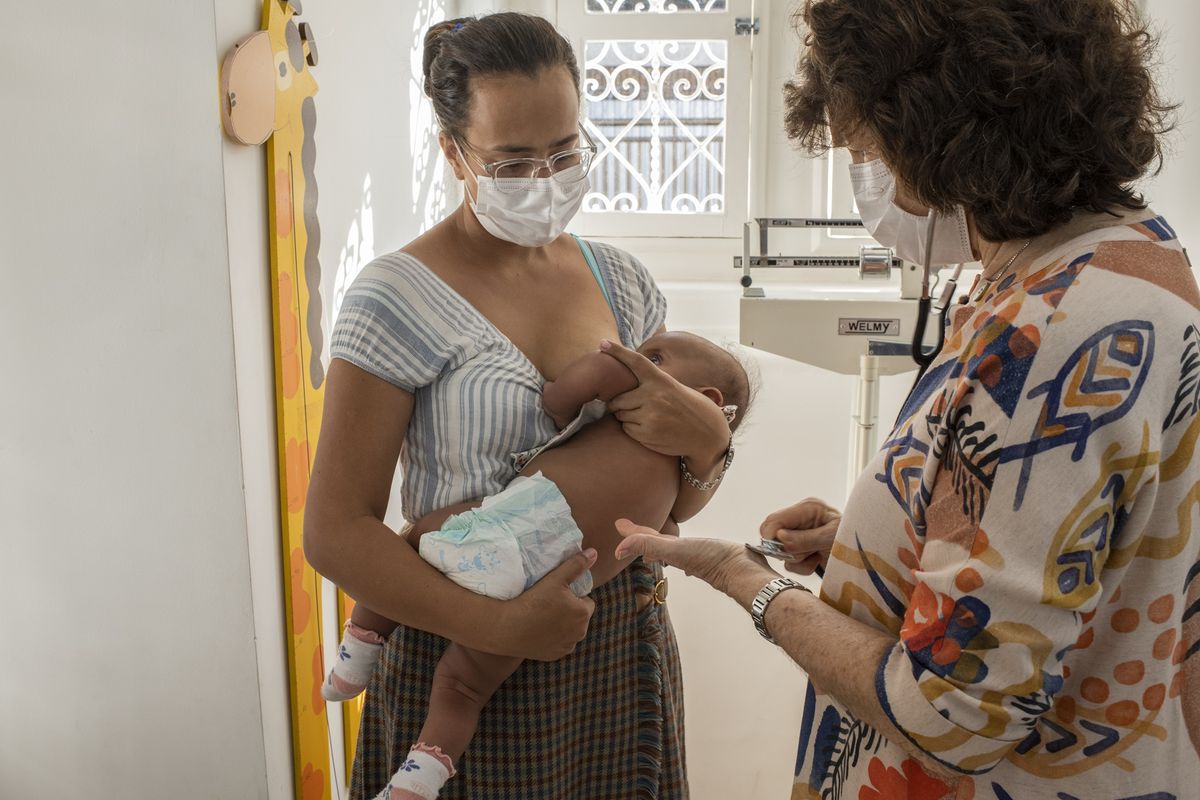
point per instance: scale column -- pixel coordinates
(864, 434)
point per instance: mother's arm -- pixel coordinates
(363, 427)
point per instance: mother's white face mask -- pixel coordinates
(892, 226)
(529, 214)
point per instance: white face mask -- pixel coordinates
(905, 233)
(533, 216)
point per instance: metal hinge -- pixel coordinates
(744, 26)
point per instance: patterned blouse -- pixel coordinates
(1030, 532)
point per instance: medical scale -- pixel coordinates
(860, 329)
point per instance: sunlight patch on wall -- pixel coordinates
(429, 198)
(358, 251)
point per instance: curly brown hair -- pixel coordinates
(1022, 111)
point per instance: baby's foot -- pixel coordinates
(358, 653)
(421, 776)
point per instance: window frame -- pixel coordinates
(580, 26)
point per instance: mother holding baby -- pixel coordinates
(439, 360)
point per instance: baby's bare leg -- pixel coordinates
(368, 620)
(362, 642)
(463, 682)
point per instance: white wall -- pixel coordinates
(1173, 193)
(377, 189)
(128, 650)
(137, 461)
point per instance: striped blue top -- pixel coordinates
(477, 398)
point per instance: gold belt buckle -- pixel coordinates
(660, 592)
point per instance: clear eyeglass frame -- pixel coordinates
(517, 174)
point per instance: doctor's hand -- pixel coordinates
(726, 566)
(547, 620)
(667, 417)
(806, 531)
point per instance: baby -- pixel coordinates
(587, 477)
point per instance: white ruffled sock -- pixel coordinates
(357, 656)
(422, 776)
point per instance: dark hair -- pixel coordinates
(496, 44)
(735, 383)
(1022, 111)
(729, 374)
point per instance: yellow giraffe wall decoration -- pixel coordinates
(267, 94)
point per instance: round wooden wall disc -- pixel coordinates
(248, 90)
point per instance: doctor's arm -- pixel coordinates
(977, 657)
(816, 636)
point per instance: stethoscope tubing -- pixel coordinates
(922, 357)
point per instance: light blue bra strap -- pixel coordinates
(590, 258)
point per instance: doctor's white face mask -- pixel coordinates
(531, 213)
(892, 226)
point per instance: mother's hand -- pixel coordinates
(726, 566)
(665, 416)
(547, 620)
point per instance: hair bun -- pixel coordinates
(433, 44)
(504, 43)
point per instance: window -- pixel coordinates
(657, 111)
(687, 116)
(666, 97)
(654, 6)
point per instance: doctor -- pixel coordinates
(1011, 604)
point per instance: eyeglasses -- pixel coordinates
(518, 174)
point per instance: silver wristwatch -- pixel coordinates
(758, 608)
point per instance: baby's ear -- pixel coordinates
(713, 393)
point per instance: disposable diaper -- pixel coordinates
(510, 542)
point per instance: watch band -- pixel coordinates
(758, 608)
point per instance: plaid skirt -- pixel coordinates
(605, 723)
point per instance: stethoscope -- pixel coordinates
(920, 355)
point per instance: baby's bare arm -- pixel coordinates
(594, 376)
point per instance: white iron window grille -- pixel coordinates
(655, 6)
(666, 98)
(657, 111)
